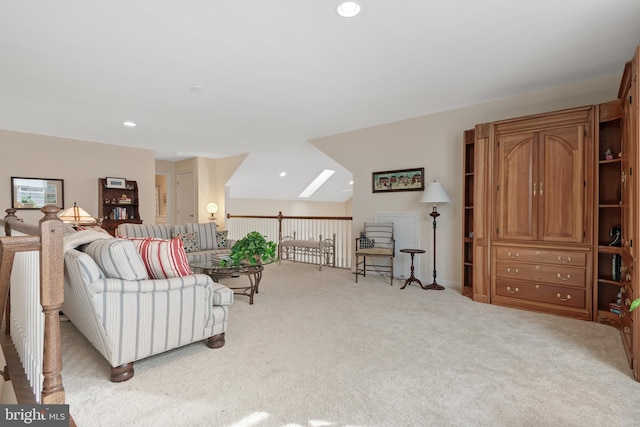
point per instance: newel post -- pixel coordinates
(51, 298)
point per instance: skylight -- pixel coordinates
(316, 183)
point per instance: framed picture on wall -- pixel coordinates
(398, 180)
(111, 182)
(34, 193)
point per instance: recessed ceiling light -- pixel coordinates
(129, 124)
(196, 88)
(283, 173)
(349, 9)
(316, 183)
(350, 182)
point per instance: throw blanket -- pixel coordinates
(73, 240)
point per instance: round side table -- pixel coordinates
(412, 278)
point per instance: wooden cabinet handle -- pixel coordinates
(534, 188)
(513, 256)
(541, 186)
(509, 271)
(564, 299)
(564, 278)
(567, 259)
(515, 291)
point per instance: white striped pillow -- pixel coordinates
(117, 258)
(163, 258)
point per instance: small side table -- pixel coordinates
(412, 278)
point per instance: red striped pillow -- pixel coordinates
(163, 258)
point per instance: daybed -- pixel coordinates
(125, 314)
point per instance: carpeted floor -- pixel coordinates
(317, 349)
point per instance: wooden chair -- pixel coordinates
(376, 242)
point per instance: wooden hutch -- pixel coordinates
(118, 203)
(551, 212)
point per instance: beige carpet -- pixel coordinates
(316, 349)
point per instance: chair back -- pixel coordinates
(381, 233)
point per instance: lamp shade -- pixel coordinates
(212, 208)
(435, 193)
(76, 215)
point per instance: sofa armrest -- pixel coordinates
(230, 243)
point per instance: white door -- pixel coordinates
(186, 202)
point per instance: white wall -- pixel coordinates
(79, 164)
(435, 141)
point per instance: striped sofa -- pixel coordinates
(127, 316)
(208, 239)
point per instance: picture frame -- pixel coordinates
(111, 182)
(34, 193)
(398, 180)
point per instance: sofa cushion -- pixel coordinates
(189, 241)
(163, 259)
(157, 231)
(206, 234)
(117, 258)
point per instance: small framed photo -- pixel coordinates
(34, 193)
(115, 182)
(398, 180)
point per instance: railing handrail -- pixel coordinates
(47, 238)
(344, 249)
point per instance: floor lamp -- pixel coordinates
(435, 193)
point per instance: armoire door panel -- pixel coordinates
(517, 187)
(561, 189)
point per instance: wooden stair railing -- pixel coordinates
(47, 238)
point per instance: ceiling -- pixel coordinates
(274, 74)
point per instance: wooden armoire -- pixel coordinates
(551, 212)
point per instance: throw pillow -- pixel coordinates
(163, 259)
(365, 242)
(117, 258)
(221, 239)
(189, 241)
(206, 235)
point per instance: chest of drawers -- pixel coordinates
(549, 279)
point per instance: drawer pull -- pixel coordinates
(564, 278)
(564, 299)
(512, 292)
(509, 271)
(567, 259)
(513, 256)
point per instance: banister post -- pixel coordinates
(280, 234)
(51, 298)
(11, 213)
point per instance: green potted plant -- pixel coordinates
(252, 249)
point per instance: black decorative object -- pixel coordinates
(615, 235)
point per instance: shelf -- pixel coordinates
(608, 318)
(603, 162)
(611, 282)
(609, 249)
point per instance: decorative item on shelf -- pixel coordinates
(615, 267)
(124, 200)
(212, 208)
(608, 154)
(435, 193)
(615, 235)
(76, 215)
(115, 182)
